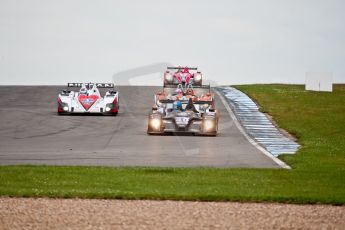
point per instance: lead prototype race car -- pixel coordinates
(186, 76)
(88, 99)
(184, 110)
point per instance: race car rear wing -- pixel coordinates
(193, 86)
(167, 101)
(99, 85)
(180, 67)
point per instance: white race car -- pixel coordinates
(88, 99)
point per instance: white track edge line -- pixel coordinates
(281, 163)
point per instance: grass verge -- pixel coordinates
(318, 174)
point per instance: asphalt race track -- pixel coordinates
(31, 132)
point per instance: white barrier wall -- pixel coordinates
(319, 81)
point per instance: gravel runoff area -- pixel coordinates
(45, 213)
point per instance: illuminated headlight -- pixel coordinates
(197, 77)
(109, 107)
(155, 123)
(209, 125)
(64, 106)
(168, 77)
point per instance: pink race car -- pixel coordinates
(183, 76)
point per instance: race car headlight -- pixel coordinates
(209, 125)
(155, 123)
(64, 106)
(109, 107)
(168, 77)
(197, 77)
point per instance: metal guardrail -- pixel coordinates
(256, 124)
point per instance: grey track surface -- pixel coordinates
(32, 133)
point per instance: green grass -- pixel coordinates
(317, 175)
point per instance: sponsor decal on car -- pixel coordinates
(87, 101)
(182, 120)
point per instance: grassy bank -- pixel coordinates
(318, 174)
